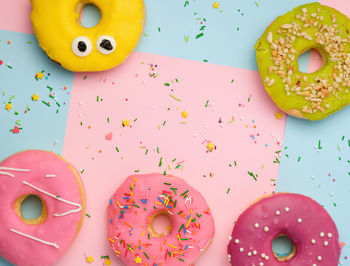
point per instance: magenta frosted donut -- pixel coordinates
(313, 233)
(43, 240)
(131, 212)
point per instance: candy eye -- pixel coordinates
(81, 46)
(105, 44)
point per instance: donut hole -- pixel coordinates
(160, 224)
(311, 61)
(90, 16)
(283, 248)
(31, 209)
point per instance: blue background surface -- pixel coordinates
(310, 176)
(222, 43)
(42, 126)
(229, 37)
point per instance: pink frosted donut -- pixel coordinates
(308, 225)
(43, 240)
(131, 212)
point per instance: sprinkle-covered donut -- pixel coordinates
(315, 95)
(308, 225)
(43, 240)
(133, 208)
(57, 27)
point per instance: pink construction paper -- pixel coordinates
(226, 106)
(15, 16)
(341, 5)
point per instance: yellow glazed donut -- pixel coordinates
(57, 26)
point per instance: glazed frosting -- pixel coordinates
(130, 210)
(60, 34)
(302, 219)
(315, 95)
(25, 173)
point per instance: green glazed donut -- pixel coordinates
(312, 96)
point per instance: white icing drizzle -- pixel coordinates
(14, 169)
(35, 238)
(49, 175)
(55, 197)
(11, 169)
(6, 173)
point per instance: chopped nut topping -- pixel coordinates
(334, 42)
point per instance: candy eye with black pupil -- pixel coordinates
(105, 44)
(81, 46)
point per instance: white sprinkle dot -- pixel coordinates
(236, 240)
(256, 225)
(241, 249)
(255, 252)
(319, 258)
(263, 255)
(321, 234)
(278, 212)
(300, 220)
(261, 264)
(249, 254)
(313, 241)
(229, 238)
(314, 264)
(266, 257)
(229, 257)
(266, 229)
(325, 243)
(329, 235)
(286, 209)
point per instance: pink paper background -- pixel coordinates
(15, 16)
(148, 100)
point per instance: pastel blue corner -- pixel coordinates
(4, 262)
(315, 162)
(229, 33)
(41, 126)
